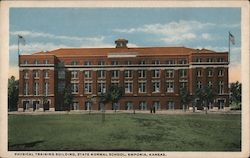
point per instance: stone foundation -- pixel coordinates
(20, 110)
(51, 109)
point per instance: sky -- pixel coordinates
(47, 29)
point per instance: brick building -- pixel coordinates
(151, 76)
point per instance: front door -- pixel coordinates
(101, 107)
(35, 105)
(88, 105)
(75, 106)
(25, 105)
(221, 104)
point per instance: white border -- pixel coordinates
(4, 58)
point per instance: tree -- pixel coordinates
(205, 96)
(67, 98)
(12, 93)
(208, 97)
(185, 98)
(114, 94)
(235, 94)
(103, 99)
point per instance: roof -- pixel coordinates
(141, 51)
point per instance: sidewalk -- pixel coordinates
(167, 112)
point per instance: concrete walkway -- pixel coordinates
(167, 112)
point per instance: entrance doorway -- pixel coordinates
(88, 105)
(170, 105)
(101, 107)
(35, 105)
(221, 104)
(26, 105)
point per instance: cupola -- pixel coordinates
(121, 43)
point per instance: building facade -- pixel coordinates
(151, 77)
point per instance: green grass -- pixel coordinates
(142, 132)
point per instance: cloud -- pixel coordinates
(206, 36)
(36, 47)
(179, 38)
(66, 42)
(173, 32)
(173, 27)
(34, 34)
(176, 32)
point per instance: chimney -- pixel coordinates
(121, 43)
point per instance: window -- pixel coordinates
(128, 73)
(157, 105)
(209, 60)
(87, 63)
(142, 73)
(170, 105)
(36, 62)
(46, 88)
(128, 87)
(169, 86)
(115, 74)
(101, 88)
(61, 86)
(198, 59)
(26, 74)
(156, 73)
(128, 62)
(220, 72)
(74, 74)
(198, 73)
(183, 61)
(101, 73)
(199, 85)
(88, 87)
(220, 59)
(61, 74)
(142, 62)
(26, 88)
(169, 73)
(156, 62)
(87, 74)
(142, 87)
(209, 73)
(143, 105)
(88, 105)
(128, 105)
(210, 84)
(74, 87)
(221, 87)
(183, 73)
(46, 73)
(156, 87)
(114, 62)
(75, 105)
(26, 62)
(183, 85)
(170, 62)
(74, 63)
(36, 74)
(46, 61)
(101, 62)
(36, 88)
(115, 106)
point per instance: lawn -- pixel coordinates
(139, 132)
